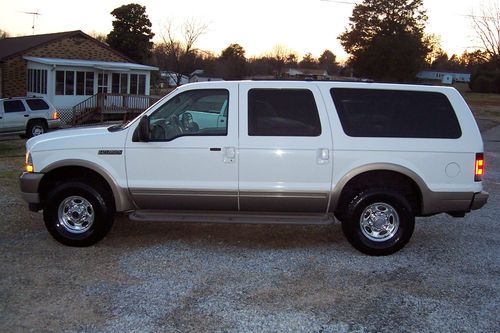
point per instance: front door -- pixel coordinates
(187, 164)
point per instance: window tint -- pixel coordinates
(196, 112)
(395, 113)
(282, 112)
(13, 106)
(36, 104)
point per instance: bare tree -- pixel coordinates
(487, 27)
(181, 51)
(4, 34)
(98, 35)
(281, 55)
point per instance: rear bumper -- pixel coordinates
(53, 124)
(479, 200)
(29, 183)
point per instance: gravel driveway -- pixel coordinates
(170, 277)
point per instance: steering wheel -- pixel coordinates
(173, 127)
(188, 125)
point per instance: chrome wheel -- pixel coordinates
(76, 214)
(37, 130)
(379, 222)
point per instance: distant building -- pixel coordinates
(170, 78)
(444, 77)
(199, 76)
(68, 68)
(306, 74)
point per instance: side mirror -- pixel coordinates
(143, 129)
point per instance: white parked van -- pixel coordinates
(372, 155)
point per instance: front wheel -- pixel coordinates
(77, 214)
(378, 221)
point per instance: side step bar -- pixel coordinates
(218, 217)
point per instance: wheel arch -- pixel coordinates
(75, 168)
(384, 175)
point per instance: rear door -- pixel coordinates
(285, 148)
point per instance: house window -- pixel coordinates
(137, 84)
(37, 81)
(120, 82)
(84, 83)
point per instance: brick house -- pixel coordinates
(68, 68)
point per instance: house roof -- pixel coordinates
(104, 65)
(12, 46)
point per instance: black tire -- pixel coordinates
(36, 127)
(378, 221)
(68, 211)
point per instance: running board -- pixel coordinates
(217, 217)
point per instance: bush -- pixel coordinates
(481, 84)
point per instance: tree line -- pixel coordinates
(385, 40)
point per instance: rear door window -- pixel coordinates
(282, 112)
(395, 113)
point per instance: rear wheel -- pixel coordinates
(378, 221)
(36, 127)
(77, 214)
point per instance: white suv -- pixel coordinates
(28, 115)
(372, 155)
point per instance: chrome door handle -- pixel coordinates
(323, 156)
(229, 154)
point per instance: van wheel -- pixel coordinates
(378, 221)
(77, 214)
(36, 127)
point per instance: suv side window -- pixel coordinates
(282, 112)
(37, 104)
(194, 112)
(395, 113)
(13, 106)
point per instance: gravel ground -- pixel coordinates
(171, 277)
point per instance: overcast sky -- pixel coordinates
(302, 25)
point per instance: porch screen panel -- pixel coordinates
(89, 83)
(80, 83)
(115, 85)
(70, 83)
(123, 83)
(59, 82)
(37, 81)
(142, 85)
(133, 84)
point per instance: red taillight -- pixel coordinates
(479, 167)
(55, 115)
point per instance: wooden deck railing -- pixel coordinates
(97, 106)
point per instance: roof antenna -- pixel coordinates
(35, 14)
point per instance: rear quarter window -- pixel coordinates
(395, 113)
(37, 104)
